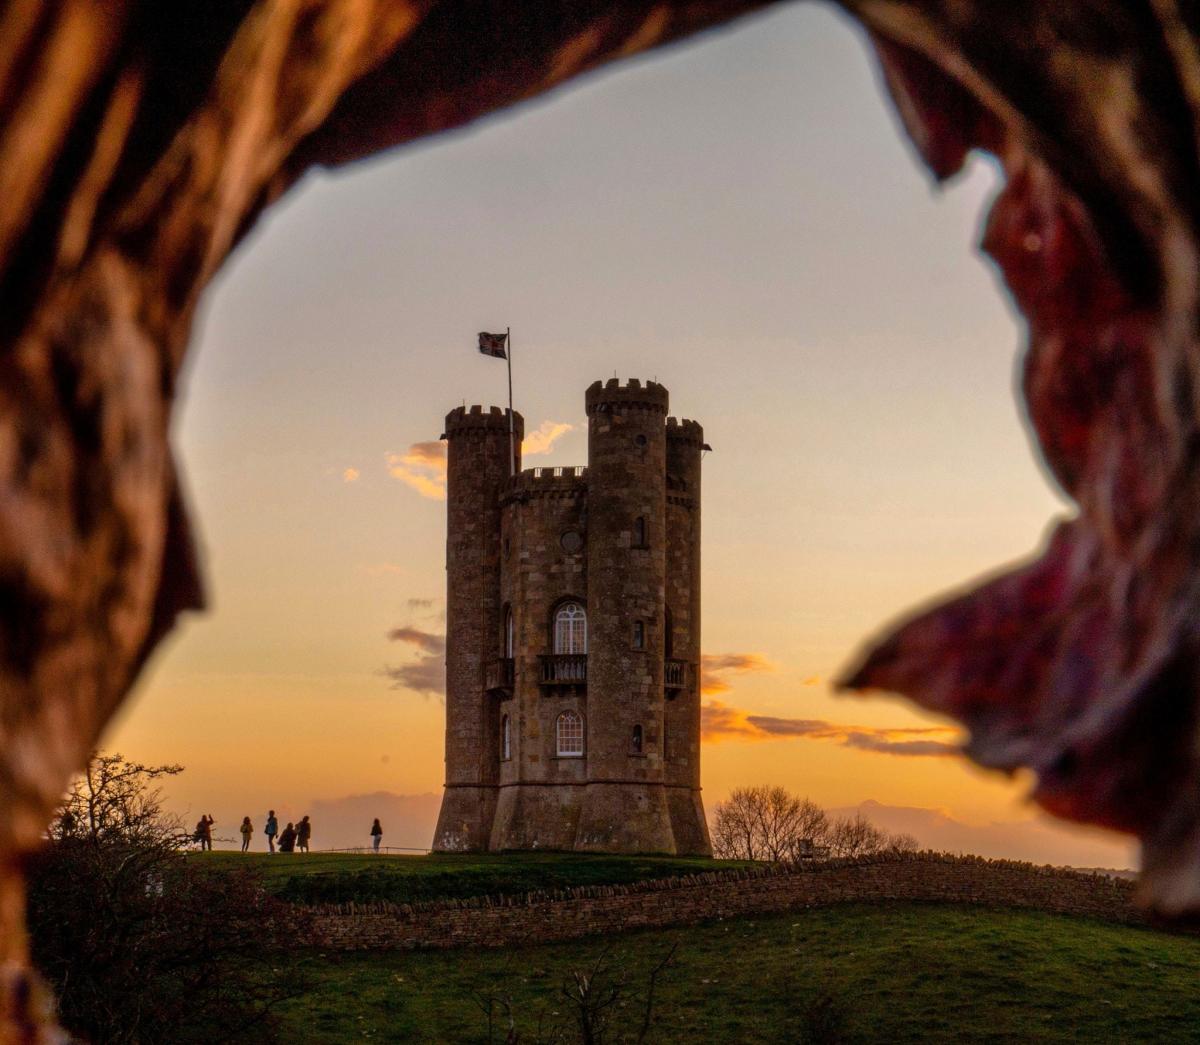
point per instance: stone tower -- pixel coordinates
(573, 636)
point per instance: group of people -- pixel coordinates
(292, 838)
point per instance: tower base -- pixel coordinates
(625, 818)
(688, 823)
(465, 821)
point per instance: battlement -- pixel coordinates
(569, 480)
(633, 395)
(685, 431)
(475, 418)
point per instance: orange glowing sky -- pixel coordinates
(738, 218)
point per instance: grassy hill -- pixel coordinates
(339, 877)
(886, 972)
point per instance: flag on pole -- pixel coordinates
(492, 344)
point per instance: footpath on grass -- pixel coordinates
(563, 914)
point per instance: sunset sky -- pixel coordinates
(739, 218)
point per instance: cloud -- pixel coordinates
(423, 467)
(350, 475)
(722, 722)
(419, 604)
(543, 438)
(427, 673)
(715, 666)
(425, 641)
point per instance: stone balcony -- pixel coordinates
(498, 676)
(674, 675)
(564, 669)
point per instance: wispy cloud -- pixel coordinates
(543, 438)
(715, 667)
(419, 604)
(423, 467)
(720, 721)
(350, 475)
(425, 641)
(427, 673)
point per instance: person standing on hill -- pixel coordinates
(271, 830)
(303, 833)
(206, 823)
(376, 834)
(287, 840)
(247, 831)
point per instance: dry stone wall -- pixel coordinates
(505, 921)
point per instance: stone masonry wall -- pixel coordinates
(540, 793)
(477, 468)
(625, 805)
(595, 910)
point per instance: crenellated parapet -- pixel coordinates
(612, 396)
(464, 421)
(564, 481)
(685, 431)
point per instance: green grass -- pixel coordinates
(338, 877)
(895, 973)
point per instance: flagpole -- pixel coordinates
(512, 447)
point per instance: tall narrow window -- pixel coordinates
(508, 633)
(668, 633)
(639, 634)
(569, 735)
(639, 532)
(637, 740)
(505, 739)
(570, 628)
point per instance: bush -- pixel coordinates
(140, 944)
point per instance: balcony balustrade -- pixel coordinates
(675, 674)
(564, 669)
(498, 676)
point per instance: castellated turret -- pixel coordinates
(573, 635)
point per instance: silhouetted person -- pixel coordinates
(271, 830)
(303, 833)
(287, 840)
(247, 831)
(198, 834)
(206, 823)
(376, 834)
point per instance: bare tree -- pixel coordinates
(735, 831)
(855, 836)
(771, 824)
(767, 823)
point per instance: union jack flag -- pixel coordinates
(492, 344)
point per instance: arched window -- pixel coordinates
(569, 735)
(637, 739)
(505, 739)
(508, 633)
(570, 628)
(639, 532)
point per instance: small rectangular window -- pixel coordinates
(639, 634)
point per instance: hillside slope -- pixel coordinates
(881, 972)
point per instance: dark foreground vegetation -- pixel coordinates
(139, 944)
(888, 972)
(341, 877)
